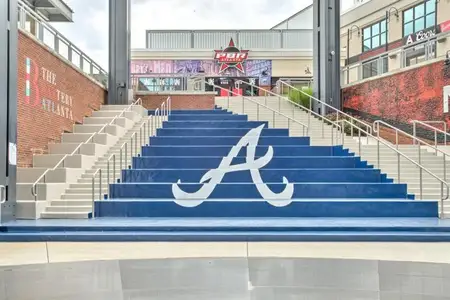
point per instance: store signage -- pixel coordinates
(445, 26)
(420, 36)
(231, 57)
(446, 98)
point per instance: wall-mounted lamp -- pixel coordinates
(447, 58)
(350, 31)
(389, 14)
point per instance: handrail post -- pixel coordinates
(414, 132)
(435, 141)
(121, 158)
(93, 196)
(114, 168)
(107, 172)
(100, 185)
(420, 173)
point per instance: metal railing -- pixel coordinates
(129, 149)
(258, 105)
(339, 114)
(2, 194)
(422, 169)
(78, 148)
(32, 23)
(377, 64)
(376, 128)
(309, 111)
(435, 130)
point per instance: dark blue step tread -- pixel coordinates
(228, 236)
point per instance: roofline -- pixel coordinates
(294, 15)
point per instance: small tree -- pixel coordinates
(302, 97)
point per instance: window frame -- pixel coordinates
(372, 36)
(414, 19)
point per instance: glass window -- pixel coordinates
(419, 11)
(374, 36)
(408, 15)
(430, 20)
(375, 67)
(408, 28)
(419, 24)
(430, 6)
(419, 17)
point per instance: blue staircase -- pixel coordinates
(187, 186)
(299, 180)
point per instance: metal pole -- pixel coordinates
(378, 154)
(100, 185)
(131, 150)
(273, 124)
(420, 174)
(107, 172)
(414, 132)
(121, 158)
(114, 169)
(398, 167)
(435, 141)
(93, 196)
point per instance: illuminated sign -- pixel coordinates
(231, 57)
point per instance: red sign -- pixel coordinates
(231, 57)
(445, 26)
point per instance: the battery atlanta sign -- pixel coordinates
(231, 57)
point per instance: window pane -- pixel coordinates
(366, 33)
(430, 6)
(376, 41)
(383, 38)
(430, 20)
(383, 26)
(419, 24)
(376, 29)
(367, 45)
(408, 16)
(408, 29)
(419, 11)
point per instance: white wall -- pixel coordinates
(304, 20)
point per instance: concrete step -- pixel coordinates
(87, 196)
(64, 215)
(69, 208)
(122, 122)
(87, 190)
(93, 128)
(72, 203)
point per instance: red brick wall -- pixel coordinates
(410, 95)
(59, 96)
(179, 101)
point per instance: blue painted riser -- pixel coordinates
(225, 141)
(269, 176)
(217, 132)
(214, 124)
(262, 209)
(190, 117)
(260, 151)
(249, 190)
(160, 162)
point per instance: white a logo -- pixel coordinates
(251, 164)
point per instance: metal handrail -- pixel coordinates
(435, 130)
(337, 111)
(376, 128)
(2, 194)
(309, 110)
(421, 168)
(99, 171)
(265, 106)
(34, 186)
(147, 128)
(58, 37)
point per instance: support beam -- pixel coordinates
(8, 105)
(119, 51)
(327, 64)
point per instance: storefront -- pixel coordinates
(159, 71)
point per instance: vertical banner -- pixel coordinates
(446, 98)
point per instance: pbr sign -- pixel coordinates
(231, 57)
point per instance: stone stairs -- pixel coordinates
(56, 191)
(324, 134)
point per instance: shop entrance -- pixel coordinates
(230, 84)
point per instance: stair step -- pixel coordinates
(70, 209)
(65, 215)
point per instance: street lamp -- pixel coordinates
(349, 35)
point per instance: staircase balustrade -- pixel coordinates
(148, 128)
(422, 169)
(77, 149)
